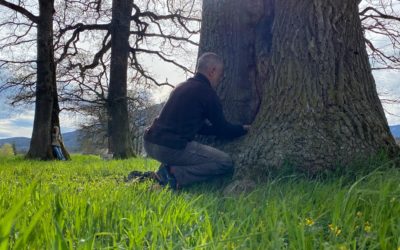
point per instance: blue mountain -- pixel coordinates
(22, 143)
(72, 143)
(395, 129)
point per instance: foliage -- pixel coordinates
(7, 150)
(94, 132)
(85, 204)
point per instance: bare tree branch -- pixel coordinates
(379, 19)
(20, 10)
(380, 14)
(159, 54)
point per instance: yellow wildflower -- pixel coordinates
(309, 222)
(367, 227)
(335, 229)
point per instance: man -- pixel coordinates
(192, 108)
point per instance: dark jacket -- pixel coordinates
(192, 108)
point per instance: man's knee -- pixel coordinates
(228, 169)
(227, 165)
(225, 160)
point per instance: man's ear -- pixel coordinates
(212, 71)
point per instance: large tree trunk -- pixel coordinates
(301, 71)
(119, 137)
(46, 104)
(228, 31)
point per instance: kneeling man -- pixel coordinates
(192, 108)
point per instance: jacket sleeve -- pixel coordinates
(222, 128)
(207, 129)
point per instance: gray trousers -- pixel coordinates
(195, 163)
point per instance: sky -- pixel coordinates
(18, 121)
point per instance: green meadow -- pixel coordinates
(85, 204)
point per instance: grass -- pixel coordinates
(84, 204)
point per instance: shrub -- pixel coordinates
(6, 150)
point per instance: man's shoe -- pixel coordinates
(173, 184)
(162, 175)
(164, 178)
(139, 176)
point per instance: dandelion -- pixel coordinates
(367, 227)
(334, 229)
(309, 222)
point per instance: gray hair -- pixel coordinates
(207, 61)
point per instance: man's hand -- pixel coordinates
(246, 127)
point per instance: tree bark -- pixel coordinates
(228, 30)
(120, 143)
(46, 103)
(45, 114)
(299, 71)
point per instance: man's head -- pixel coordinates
(212, 66)
(56, 129)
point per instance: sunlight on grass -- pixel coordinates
(85, 204)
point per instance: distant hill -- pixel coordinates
(22, 143)
(72, 143)
(71, 139)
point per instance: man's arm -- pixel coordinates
(207, 129)
(247, 127)
(223, 128)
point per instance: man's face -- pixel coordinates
(216, 75)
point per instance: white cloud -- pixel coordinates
(166, 72)
(69, 122)
(20, 125)
(388, 87)
(392, 113)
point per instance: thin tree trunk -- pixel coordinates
(307, 63)
(117, 97)
(40, 146)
